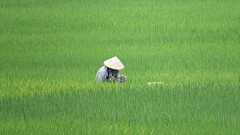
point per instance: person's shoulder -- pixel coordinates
(103, 68)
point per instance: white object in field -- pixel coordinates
(154, 83)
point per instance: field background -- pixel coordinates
(51, 51)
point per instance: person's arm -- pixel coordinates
(118, 79)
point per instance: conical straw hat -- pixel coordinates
(114, 63)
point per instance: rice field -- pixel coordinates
(51, 51)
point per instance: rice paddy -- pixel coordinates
(51, 51)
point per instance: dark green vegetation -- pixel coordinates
(51, 51)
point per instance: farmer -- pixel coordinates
(110, 71)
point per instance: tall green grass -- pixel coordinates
(51, 51)
(205, 108)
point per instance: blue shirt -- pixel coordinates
(105, 72)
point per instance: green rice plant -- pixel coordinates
(51, 51)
